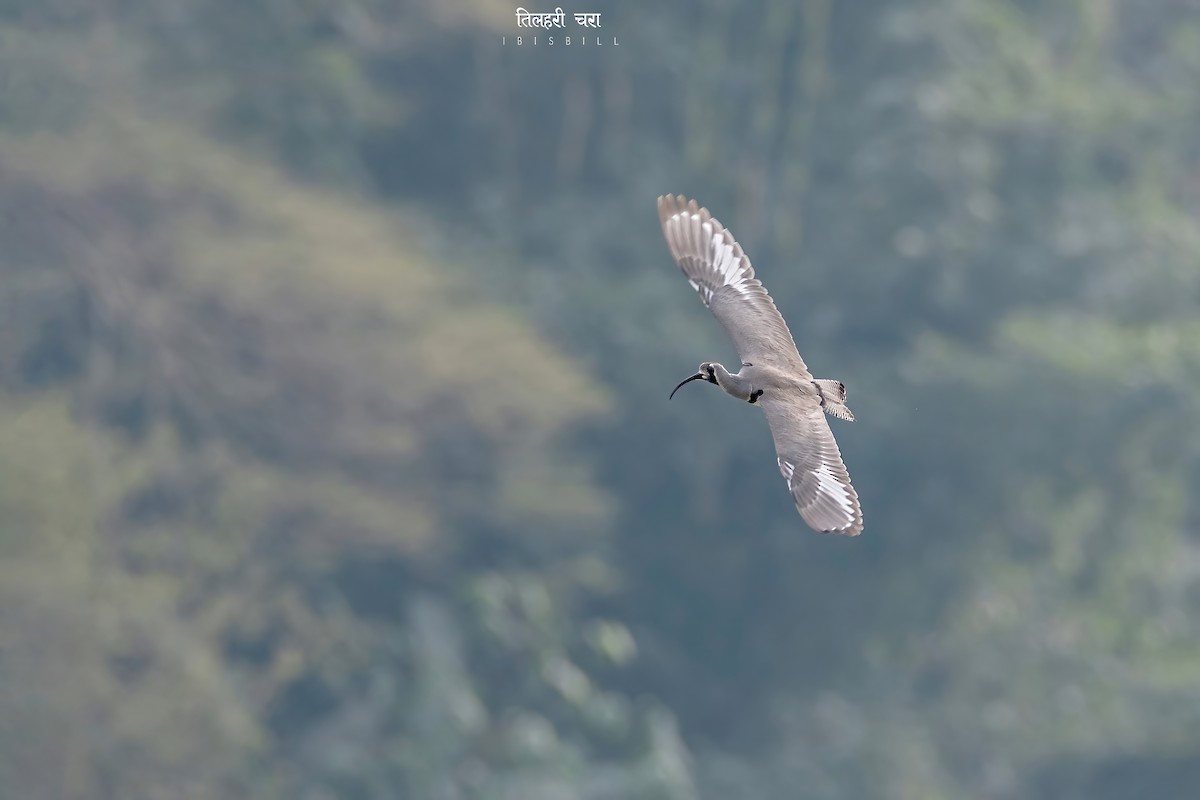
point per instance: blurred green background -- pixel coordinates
(335, 453)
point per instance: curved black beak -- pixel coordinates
(696, 377)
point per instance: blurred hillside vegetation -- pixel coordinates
(335, 459)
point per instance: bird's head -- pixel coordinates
(705, 372)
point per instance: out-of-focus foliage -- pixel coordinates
(335, 459)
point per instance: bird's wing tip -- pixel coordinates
(854, 529)
(668, 206)
(678, 202)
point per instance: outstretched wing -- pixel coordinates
(716, 267)
(812, 465)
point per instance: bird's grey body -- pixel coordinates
(773, 375)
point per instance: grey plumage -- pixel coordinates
(773, 375)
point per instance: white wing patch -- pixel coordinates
(827, 485)
(788, 469)
(833, 488)
(724, 261)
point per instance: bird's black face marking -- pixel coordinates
(757, 393)
(712, 377)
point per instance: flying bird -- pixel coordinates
(773, 375)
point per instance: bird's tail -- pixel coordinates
(833, 398)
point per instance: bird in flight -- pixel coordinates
(773, 375)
